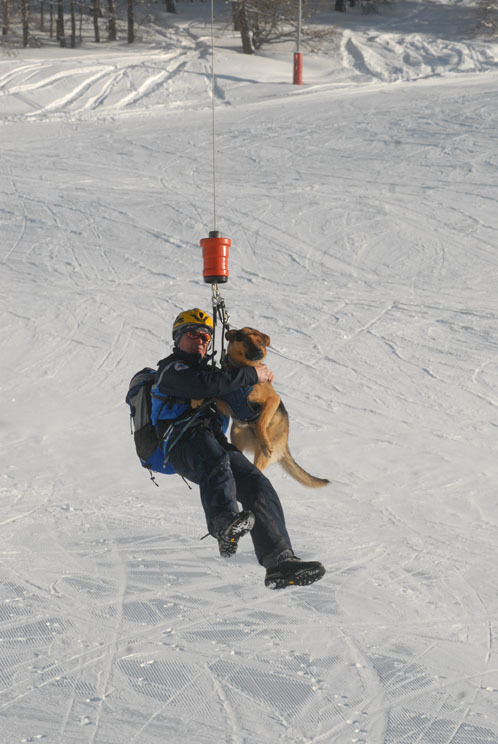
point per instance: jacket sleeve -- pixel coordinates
(181, 381)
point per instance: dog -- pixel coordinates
(266, 436)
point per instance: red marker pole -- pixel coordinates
(298, 55)
(298, 68)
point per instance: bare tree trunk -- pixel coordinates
(171, 6)
(111, 26)
(235, 16)
(25, 22)
(96, 14)
(73, 24)
(241, 24)
(42, 15)
(131, 22)
(5, 18)
(51, 17)
(60, 23)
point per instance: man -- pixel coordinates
(198, 450)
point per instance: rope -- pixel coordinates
(213, 118)
(219, 309)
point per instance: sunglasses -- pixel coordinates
(203, 335)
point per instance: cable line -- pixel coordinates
(215, 248)
(213, 117)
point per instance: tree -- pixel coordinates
(131, 22)
(5, 17)
(171, 6)
(96, 14)
(73, 24)
(51, 17)
(112, 32)
(25, 22)
(60, 34)
(241, 23)
(269, 21)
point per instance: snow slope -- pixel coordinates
(362, 213)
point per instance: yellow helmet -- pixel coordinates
(194, 317)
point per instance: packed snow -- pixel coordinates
(362, 209)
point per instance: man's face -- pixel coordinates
(195, 342)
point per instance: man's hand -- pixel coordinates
(264, 374)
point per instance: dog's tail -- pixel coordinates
(298, 473)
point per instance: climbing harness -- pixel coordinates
(171, 436)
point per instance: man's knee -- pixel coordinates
(254, 479)
(215, 467)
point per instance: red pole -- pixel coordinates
(298, 68)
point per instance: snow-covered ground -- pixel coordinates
(362, 209)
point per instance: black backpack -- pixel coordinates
(151, 449)
(139, 400)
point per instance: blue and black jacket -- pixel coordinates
(182, 377)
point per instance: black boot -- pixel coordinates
(228, 538)
(292, 571)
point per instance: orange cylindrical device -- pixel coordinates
(215, 255)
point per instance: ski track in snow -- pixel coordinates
(367, 249)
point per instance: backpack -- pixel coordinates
(148, 444)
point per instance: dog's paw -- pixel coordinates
(261, 461)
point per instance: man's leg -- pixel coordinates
(200, 458)
(256, 493)
(219, 470)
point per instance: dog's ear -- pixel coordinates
(230, 335)
(266, 339)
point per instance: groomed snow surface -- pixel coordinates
(362, 208)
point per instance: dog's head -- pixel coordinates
(247, 346)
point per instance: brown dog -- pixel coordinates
(267, 436)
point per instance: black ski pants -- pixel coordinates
(226, 476)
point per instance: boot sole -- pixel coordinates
(300, 578)
(229, 547)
